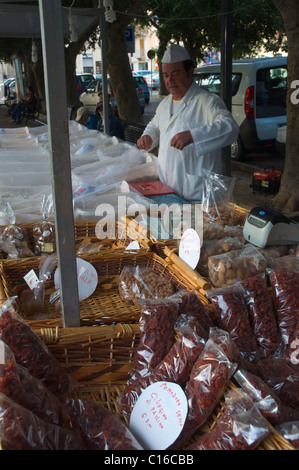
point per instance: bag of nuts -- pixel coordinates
(236, 265)
(217, 198)
(14, 239)
(44, 233)
(213, 248)
(141, 282)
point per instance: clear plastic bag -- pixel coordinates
(33, 300)
(285, 285)
(208, 381)
(261, 394)
(217, 198)
(174, 367)
(141, 282)
(44, 233)
(261, 315)
(19, 385)
(214, 248)
(99, 428)
(290, 431)
(228, 268)
(156, 322)
(192, 306)
(283, 377)
(14, 238)
(20, 429)
(240, 427)
(231, 312)
(30, 352)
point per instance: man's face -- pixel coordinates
(177, 80)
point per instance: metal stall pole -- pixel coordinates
(55, 84)
(226, 70)
(104, 66)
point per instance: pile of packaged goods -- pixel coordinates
(251, 347)
(101, 169)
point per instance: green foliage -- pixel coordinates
(197, 23)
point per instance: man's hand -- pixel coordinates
(181, 140)
(145, 142)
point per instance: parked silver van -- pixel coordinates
(259, 90)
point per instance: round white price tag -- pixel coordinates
(133, 246)
(189, 249)
(159, 415)
(87, 279)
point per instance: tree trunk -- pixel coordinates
(122, 82)
(287, 200)
(38, 72)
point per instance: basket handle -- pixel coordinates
(193, 276)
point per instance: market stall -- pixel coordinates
(186, 323)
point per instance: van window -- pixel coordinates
(211, 81)
(271, 92)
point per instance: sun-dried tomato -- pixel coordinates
(231, 311)
(18, 384)
(261, 314)
(157, 321)
(285, 286)
(30, 352)
(240, 427)
(20, 429)
(100, 429)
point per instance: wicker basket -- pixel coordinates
(105, 305)
(116, 236)
(107, 396)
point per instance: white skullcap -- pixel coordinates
(81, 111)
(175, 53)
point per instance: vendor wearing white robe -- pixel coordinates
(191, 126)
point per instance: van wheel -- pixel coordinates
(237, 151)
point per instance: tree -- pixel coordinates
(118, 61)
(287, 199)
(197, 24)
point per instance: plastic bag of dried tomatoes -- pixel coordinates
(231, 311)
(290, 431)
(174, 367)
(30, 352)
(261, 315)
(261, 394)
(20, 429)
(157, 319)
(208, 381)
(19, 385)
(193, 306)
(283, 377)
(285, 285)
(240, 427)
(100, 429)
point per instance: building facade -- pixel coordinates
(139, 44)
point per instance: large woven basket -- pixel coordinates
(105, 305)
(107, 396)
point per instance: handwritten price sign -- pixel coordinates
(87, 279)
(189, 249)
(159, 415)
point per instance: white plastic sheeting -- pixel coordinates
(101, 167)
